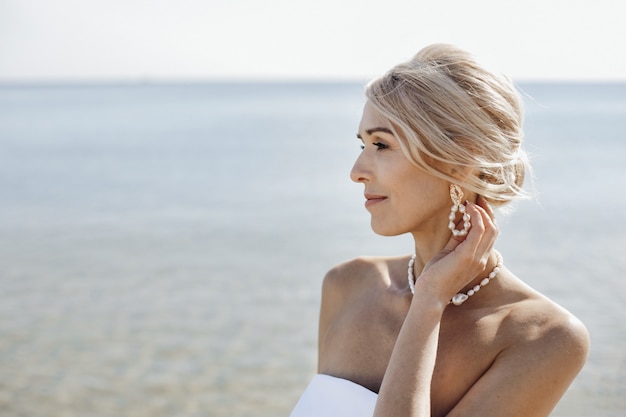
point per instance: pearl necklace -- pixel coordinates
(460, 298)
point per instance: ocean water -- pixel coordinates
(162, 246)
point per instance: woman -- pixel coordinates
(448, 331)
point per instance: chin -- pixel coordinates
(387, 230)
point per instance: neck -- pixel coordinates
(427, 245)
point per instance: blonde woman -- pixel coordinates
(449, 330)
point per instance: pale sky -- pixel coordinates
(302, 39)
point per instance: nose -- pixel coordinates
(360, 171)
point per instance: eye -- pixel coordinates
(380, 145)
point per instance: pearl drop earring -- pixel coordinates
(457, 206)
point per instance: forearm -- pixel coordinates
(405, 390)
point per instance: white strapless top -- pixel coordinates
(328, 396)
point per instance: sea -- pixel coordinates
(162, 245)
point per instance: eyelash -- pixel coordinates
(378, 145)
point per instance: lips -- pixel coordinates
(371, 199)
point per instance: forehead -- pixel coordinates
(371, 118)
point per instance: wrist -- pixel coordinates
(428, 298)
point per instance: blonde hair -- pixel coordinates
(451, 114)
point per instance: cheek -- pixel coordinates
(425, 194)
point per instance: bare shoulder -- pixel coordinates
(350, 283)
(354, 312)
(543, 347)
(343, 279)
(551, 335)
(361, 272)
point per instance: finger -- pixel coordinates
(489, 231)
(484, 204)
(453, 243)
(477, 230)
(486, 211)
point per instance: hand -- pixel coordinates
(463, 257)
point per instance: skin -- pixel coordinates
(507, 351)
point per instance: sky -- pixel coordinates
(151, 40)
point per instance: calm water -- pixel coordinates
(162, 246)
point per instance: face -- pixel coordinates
(400, 197)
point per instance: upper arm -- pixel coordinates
(333, 288)
(528, 378)
(329, 303)
(338, 284)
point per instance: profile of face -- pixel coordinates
(400, 197)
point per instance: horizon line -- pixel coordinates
(136, 81)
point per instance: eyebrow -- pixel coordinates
(374, 130)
